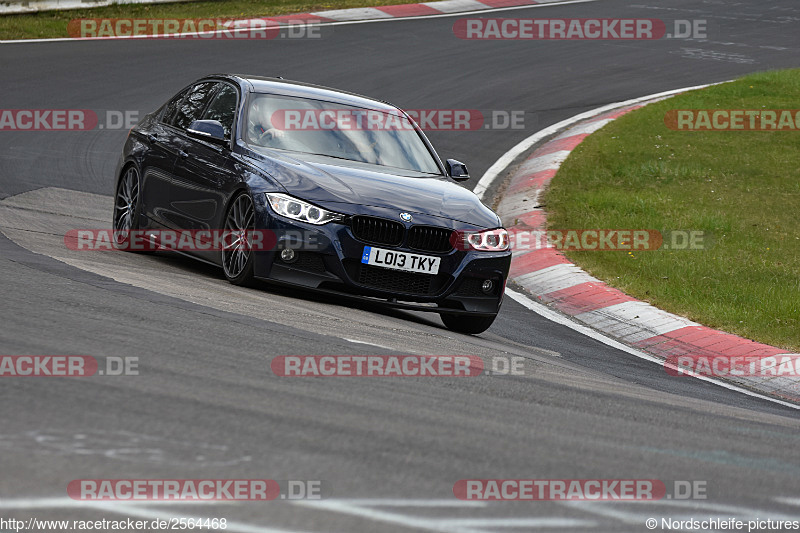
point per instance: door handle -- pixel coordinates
(183, 154)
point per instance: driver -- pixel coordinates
(260, 126)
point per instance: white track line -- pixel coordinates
(323, 23)
(461, 13)
(506, 159)
(622, 510)
(564, 320)
(440, 525)
(356, 341)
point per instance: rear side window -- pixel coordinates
(223, 108)
(192, 105)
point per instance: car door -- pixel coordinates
(205, 170)
(159, 159)
(172, 202)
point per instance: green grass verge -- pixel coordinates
(54, 23)
(740, 187)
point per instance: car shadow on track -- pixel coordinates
(199, 268)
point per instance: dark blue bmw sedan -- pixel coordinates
(314, 188)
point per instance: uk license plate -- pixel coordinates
(404, 261)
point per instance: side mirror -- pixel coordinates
(208, 130)
(457, 170)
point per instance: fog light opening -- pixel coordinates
(288, 255)
(487, 286)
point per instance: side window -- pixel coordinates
(223, 108)
(192, 105)
(172, 106)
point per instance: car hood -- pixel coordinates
(348, 186)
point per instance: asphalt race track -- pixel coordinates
(206, 405)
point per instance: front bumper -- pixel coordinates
(328, 258)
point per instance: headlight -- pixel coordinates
(291, 207)
(495, 240)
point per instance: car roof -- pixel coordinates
(263, 84)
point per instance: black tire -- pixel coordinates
(470, 325)
(126, 209)
(237, 256)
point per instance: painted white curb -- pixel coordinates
(590, 304)
(443, 8)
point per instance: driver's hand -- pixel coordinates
(273, 133)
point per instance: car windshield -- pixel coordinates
(336, 130)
